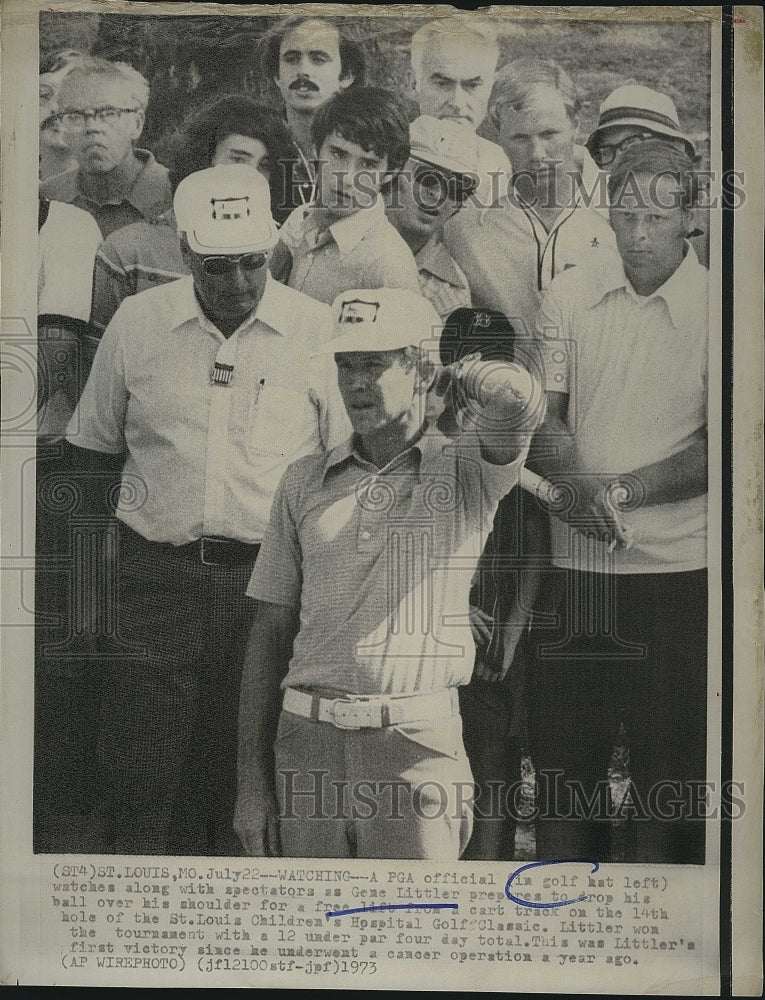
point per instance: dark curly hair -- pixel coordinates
(195, 144)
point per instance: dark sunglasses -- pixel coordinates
(454, 186)
(225, 264)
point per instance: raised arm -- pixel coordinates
(500, 402)
(256, 819)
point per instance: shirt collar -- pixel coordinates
(349, 231)
(680, 291)
(149, 191)
(272, 309)
(436, 259)
(427, 449)
(593, 181)
(593, 178)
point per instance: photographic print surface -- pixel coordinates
(372, 488)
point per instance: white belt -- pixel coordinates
(372, 713)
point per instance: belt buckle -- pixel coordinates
(202, 553)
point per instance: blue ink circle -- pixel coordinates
(542, 864)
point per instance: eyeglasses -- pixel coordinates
(75, 121)
(226, 264)
(606, 153)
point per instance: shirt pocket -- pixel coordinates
(283, 422)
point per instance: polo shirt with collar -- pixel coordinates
(149, 195)
(399, 545)
(442, 280)
(635, 372)
(133, 259)
(510, 256)
(362, 250)
(205, 458)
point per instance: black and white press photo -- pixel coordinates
(318, 590)
(376, 506)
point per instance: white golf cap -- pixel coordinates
(226, 209)
(382, 319)
(641, 106)
(444, 143)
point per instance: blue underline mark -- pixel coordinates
(394, 906)
(541, 864)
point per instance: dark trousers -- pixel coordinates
(168, 728)
(495, 760)
(628, 650)
(67, 674)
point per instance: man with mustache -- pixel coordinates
(101, 108)
(309, 60)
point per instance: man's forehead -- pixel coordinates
(335, 139)
(76, 84)
(463, 57)
(541, 103)
(649, 192)
(312, 35)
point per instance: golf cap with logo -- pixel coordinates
(643, 107)
(445, 144)
(226, 209)
(382, 319)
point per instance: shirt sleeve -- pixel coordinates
(278, 573)
(98, 422)
(553, 344)
(483, 483)
(110, 287)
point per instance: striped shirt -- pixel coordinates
(133, 259)
(399, 545)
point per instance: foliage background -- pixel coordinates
(190, 59)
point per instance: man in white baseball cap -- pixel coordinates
(202, 391)
(226, 230)
(350, 733)
(631, 114)
(440, 174)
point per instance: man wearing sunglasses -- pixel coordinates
(432, 187)
(202, 391)
(101, 108)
